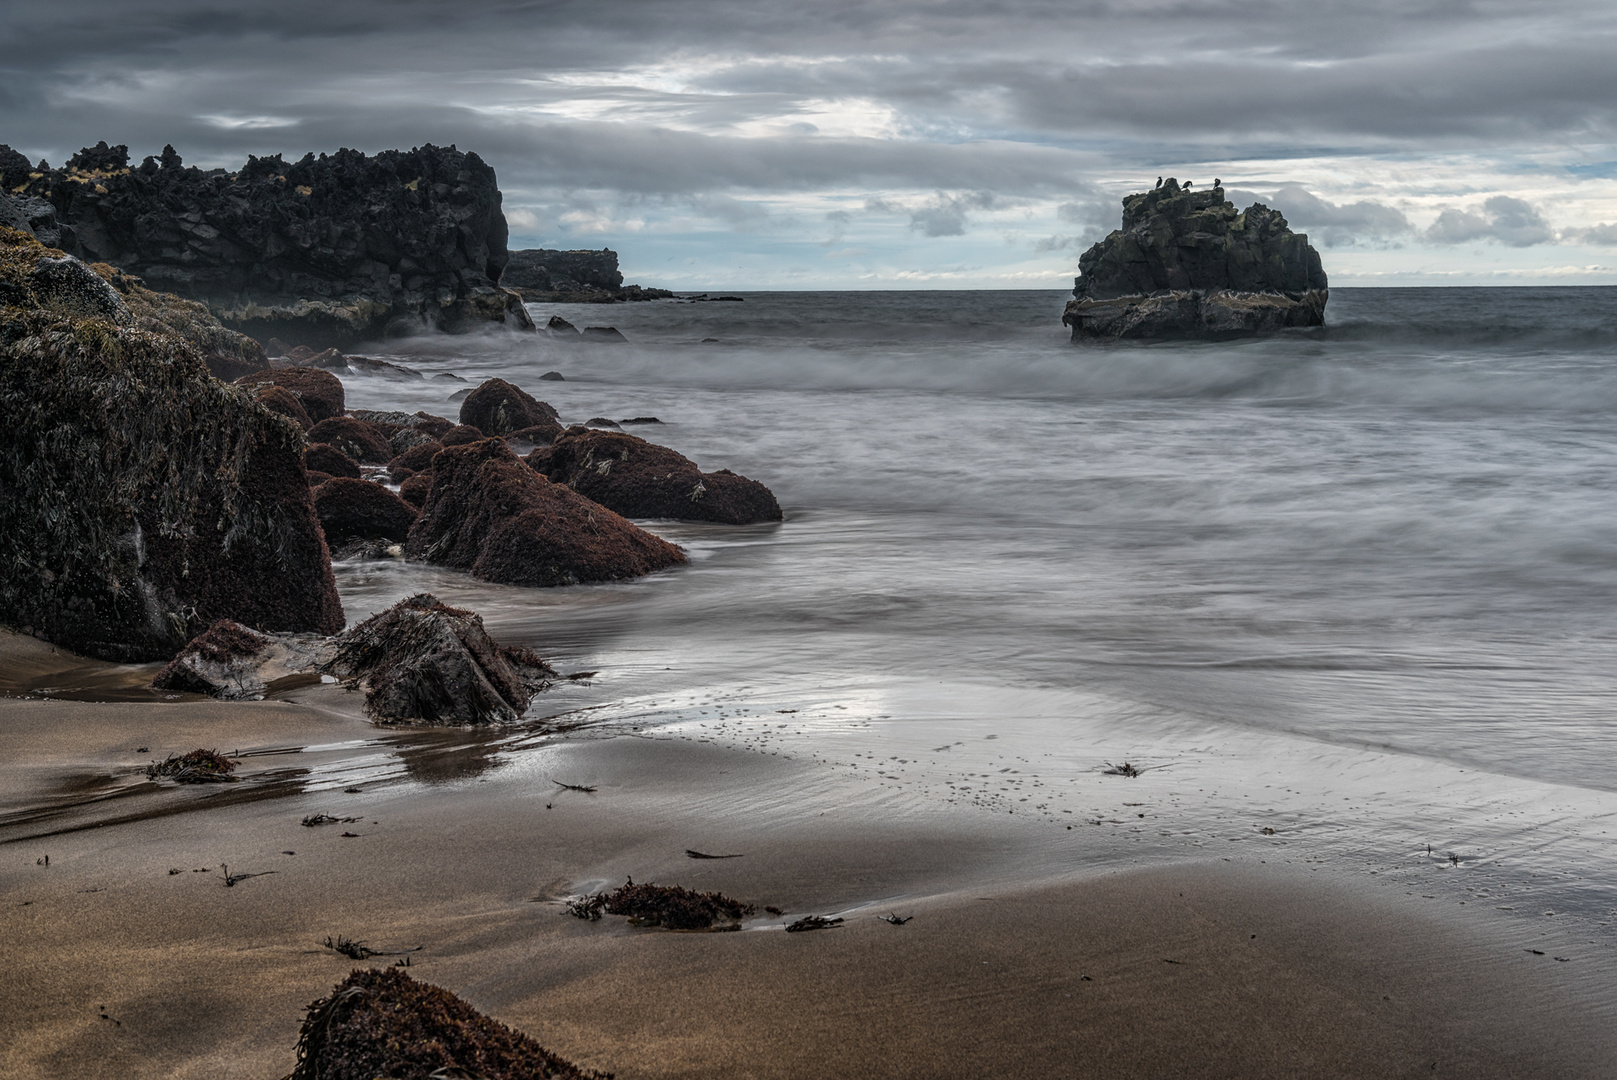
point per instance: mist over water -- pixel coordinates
(1395, 532)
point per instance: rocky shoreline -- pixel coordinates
(1189, 265)
(150, 510)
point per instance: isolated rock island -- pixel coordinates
(1189, 265)
(321, 251)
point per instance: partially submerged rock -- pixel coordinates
(490, 514)
(1189, 265)
(360, 510)
(140, 498)
(236, 663)
(499, 408)
(383, 1023)
(640, 479)
(324, 458)
(423, 660)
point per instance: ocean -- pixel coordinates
(1348, 596)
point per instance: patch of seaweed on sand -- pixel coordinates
(196, 767)
(669, 906)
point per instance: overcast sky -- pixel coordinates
(899, 144)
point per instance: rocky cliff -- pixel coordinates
(321, 251)
(1189, 265)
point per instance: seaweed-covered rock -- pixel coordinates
(1189, 265)
(364, 442)
(140, 498)
(382, 1022)
(282, 401)
(490, 514)
(640, 479)
(319, 392)
(327, 459)
(236, 663)
(414, 488)
(324, 250)
(499, 408)
(460, 435)
(360, 510)
(417, 458)
(423, 660)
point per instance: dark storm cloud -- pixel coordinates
(700, 102)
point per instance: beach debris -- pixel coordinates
(773, 910)
(895, 919)
(358, 950)
(350, 835)
(231, 879)
(1267, 831)
(43, 860)
(813, 922)
(383, 1022)
(1165, 960)
(670, 906)
(581, 676)
(197, 767)
(325, 819)
(703, 855)
(572, 787)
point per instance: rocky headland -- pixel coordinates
(573, 277)
(325, 250)
(1189, 265)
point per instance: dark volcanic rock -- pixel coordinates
(324, 458)
(639, 479)
(140, 498)
(490, 514)
(236, 663)
(421, 660)
(381, 1022)
(498, 408)
(323, 250)
(609, 335)
(364, 442)
(572, 277)
(360, 510)
(320, 392)
(1189, 265)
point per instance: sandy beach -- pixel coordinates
(129, 956)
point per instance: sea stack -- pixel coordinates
(1189, 265)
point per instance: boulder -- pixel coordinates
(327, 459)
(417, 458)
(140, 498)
(320, 392)
(489, 514)
(316, 478)
(498, 408)
(606, 334)
(237, 663)
(364, 442)
(360, 510)
(381, 1022)
(422, 660)
(640, 479)
(321, 251)
(1189, 265)
(281, 401)
(415, 488)
(460, 435)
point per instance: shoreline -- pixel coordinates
(464, 846)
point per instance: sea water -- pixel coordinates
(1356, 585)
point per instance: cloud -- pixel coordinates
(945, 215)
(1604, 234)
(521, 218)
(1339, 224)
(1504, 219)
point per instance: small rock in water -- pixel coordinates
(600, 422)
(603, 334)
(553, 376)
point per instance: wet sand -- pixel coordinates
(1015, 964)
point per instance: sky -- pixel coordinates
(798, 144)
